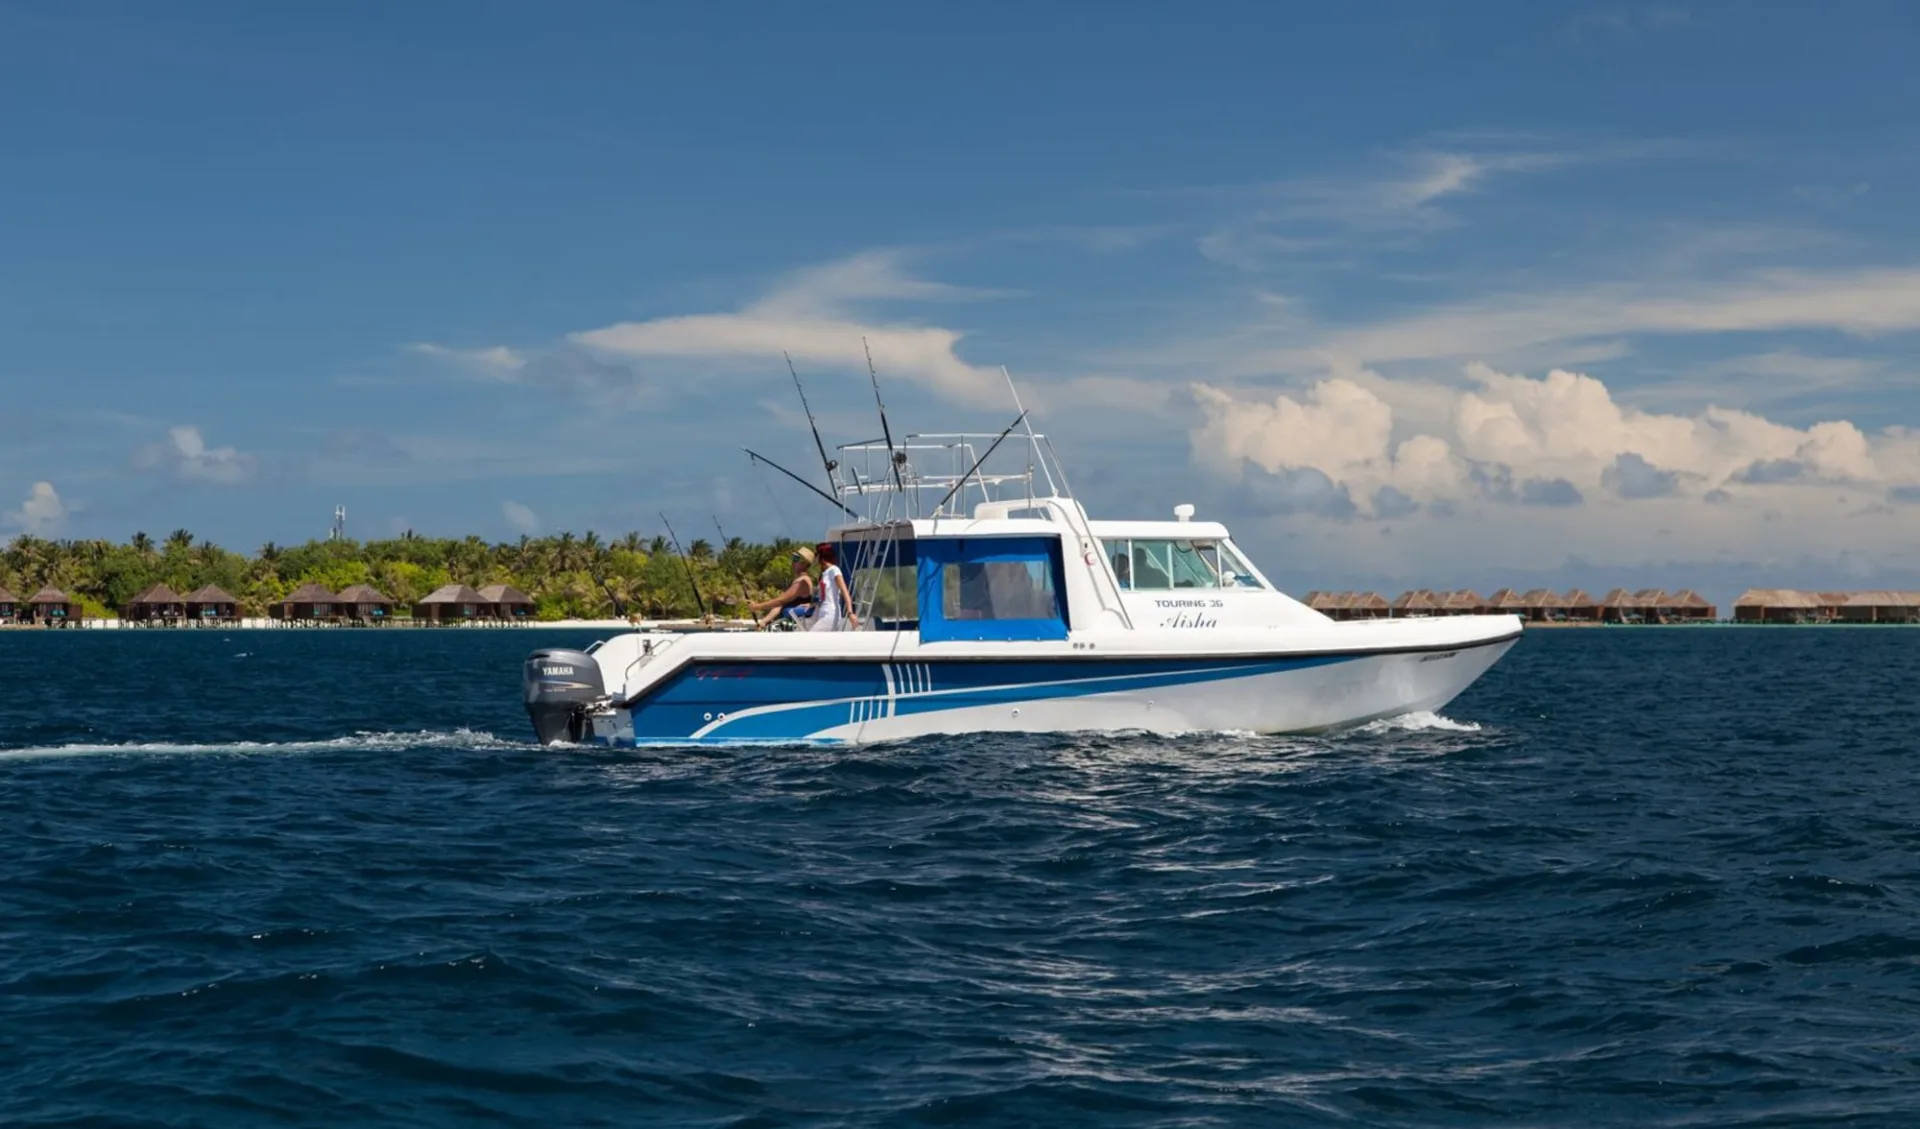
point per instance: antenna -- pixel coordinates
(698, 600)
(825, 462)
(895, 458)
(1033, 441)
(339, 530)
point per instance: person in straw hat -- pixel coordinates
(796, 602)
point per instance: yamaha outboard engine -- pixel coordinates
(559, 685)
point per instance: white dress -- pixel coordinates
(830, 612)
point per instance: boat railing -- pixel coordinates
(649, 650)
(946, 474)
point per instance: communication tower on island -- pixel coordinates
(339, 530)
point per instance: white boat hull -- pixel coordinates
(749, 691)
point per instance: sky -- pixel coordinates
(1406, 293)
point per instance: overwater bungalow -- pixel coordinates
(212, 604)
(1368, 605)
(1619, 606)
(1418, 602)
(1651, 604)
(1463, 602)
(9, 606)
(158, 604)
(1778, 605)
(1578, 606)
(310, 601)
(1827, 605)
(1539, 603)
(51, 607)
(363, 603)
(453, 603)
(1881, 607)
(509, 603)
(1689, 606)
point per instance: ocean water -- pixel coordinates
(1634, 877)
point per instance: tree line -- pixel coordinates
(568, 576)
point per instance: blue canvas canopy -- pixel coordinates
(1008, 588)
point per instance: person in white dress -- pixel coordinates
(834, 610)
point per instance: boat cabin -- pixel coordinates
(1036, 569)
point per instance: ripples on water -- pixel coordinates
(1654, 877)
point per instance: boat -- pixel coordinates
(988, 600)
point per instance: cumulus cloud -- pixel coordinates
(520, 517)
(1633, 477)
(1295, 490)
(186, 458)
(1509, 439)
(41, 513)
(1550, 492)
(1390, 502)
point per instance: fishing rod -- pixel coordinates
(894, 458)
(978, 461)
(825, 462)
(698, 599)
(783, 470)
(745, 596)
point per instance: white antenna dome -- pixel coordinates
(1183, 511)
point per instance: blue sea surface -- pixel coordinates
(1633, 877)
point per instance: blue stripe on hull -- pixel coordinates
(800, 699)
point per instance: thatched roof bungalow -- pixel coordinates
(1778, 605)
(453, 603)
(50, 606)
(9, 606)
(1619, 606)
(508, 602)
(1419, 601)
(1368, 605)
(309, 601)
(212, 604)
(1538, 603)
(1576, 604)
(1881, 607)
(1691, 606)
(364, 602)
(1463, 602)
(158, 604)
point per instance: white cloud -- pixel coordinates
(1554, 440)
(520, 517)
(185, 457)
(41, 513)
(495, 361)
(813, 317)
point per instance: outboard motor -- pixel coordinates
(558, 686)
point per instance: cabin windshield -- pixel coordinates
(1153, 564)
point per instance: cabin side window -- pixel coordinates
(883, 577)
(1154, 564)
(998, 590)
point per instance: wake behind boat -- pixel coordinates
(1003, 607)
